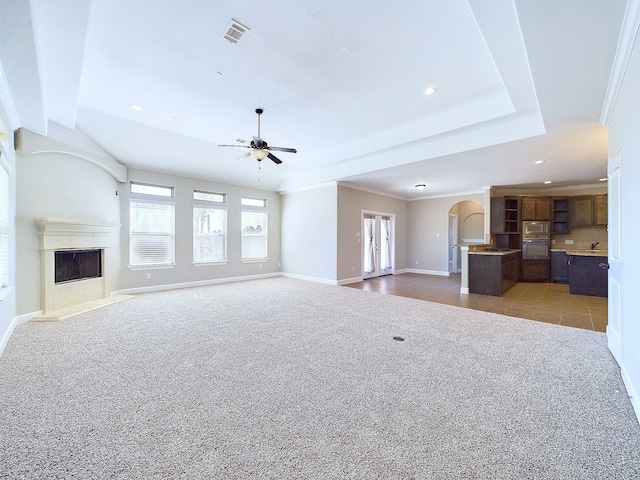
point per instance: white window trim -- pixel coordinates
(218, 206)
(152, 199)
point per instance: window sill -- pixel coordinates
(4, 292)
(254, 260)
(206, 264)
(137, 268)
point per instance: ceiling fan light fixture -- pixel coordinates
(420, 186)
(259, 154)
(430, 90)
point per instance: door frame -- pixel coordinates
(392, 216)
(614, 312)
(453, 240)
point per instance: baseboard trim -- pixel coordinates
(199, 283)
(7, 334)
(429, 272)
(347, 281)
(631, 391)
(310, 279)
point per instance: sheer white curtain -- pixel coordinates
(370, 245)
(385, 254)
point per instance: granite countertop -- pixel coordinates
(496, 251)
(582, 253)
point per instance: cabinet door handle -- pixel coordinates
(604, 266)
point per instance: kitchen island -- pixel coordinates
(587, 271)
(493, 271)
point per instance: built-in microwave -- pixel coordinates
(535, 230)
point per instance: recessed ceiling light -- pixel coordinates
(135, 107)
(430, 90)
(548, 181)
(603, 179)
(420, 186)
(538, 162)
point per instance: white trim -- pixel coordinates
(312, 187)
(310, 279)
(347, 281)
(7, 334)
(633, 394)
(254, 260)
(199, 283)
(447, 195)
(369, 190)
(26, 317)
(4, 291)
(206, 264)
(429, 272)
(6, 100)
(614, 343)
(163, 266)
(628, 32)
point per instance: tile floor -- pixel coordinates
(544, 302)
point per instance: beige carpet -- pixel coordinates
(280, 378)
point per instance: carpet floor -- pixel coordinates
(281, 378)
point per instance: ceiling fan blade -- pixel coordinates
(258, 143)
(248, 154)
(274, 159)
(237, 146)
(282, 149)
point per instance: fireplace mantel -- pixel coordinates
(57, 233)
(64, 234)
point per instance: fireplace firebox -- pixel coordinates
(71, 265)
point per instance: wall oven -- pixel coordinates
(535, 250)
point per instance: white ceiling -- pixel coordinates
(343, 82)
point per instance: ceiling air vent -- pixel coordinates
(234, 31)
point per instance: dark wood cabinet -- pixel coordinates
(536, 270)
(505, 215)
(536, 208)
(493, 274)
(588, 275)
(589, 211)
(560, 215)
(559, 267)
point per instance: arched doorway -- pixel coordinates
(466, 226)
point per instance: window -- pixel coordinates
(151, 233)
(254, 235)
(209, 196)
(4, 227)
(209, 234)
(254, 202)
(147, 189)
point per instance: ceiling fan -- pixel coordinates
(258, 148)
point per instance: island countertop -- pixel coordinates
(495, 251)
(582, 253)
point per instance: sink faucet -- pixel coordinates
(593, 245)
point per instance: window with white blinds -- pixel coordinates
(151, 233)
(254, 235)
(209, 234)
(4, 227)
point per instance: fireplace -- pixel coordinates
(75, 258)
(73, 265)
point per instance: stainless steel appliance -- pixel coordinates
(536, 241)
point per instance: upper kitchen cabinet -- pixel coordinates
(589, 211)
(505, 215)
(536, 208)
(560, 220)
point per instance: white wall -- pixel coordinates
(185, 273)
(428, 241)
(8, 293)
(623, 133)
(60, 186)
(351, 203)
(309, 226)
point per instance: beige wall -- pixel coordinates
(351, 204)
(428, 239)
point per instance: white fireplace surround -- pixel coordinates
(63, 234)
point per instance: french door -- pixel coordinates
(377, 247)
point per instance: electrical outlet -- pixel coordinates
(148, 276)
(568, 242)
(416, 262)
(259, 265)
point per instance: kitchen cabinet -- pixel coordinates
(536, 208)
(588, 275)
(505, 215)
(493, 274)
(535, 270)
(559, 267)
(589, 211)
(560, 215)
